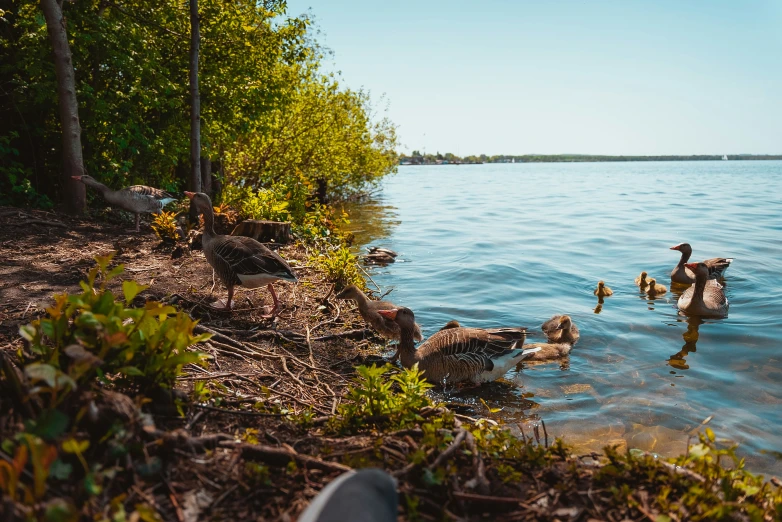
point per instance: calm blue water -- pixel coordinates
(513, 244)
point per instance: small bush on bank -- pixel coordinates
(77, 424)
(340, 266)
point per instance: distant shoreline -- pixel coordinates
(574, 158)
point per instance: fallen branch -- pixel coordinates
(281, 457)
(43, 222)
(350, 334)
(450, 450)
(239, 412)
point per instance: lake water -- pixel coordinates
(513, 244)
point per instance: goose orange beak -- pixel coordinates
(189, 194)
(388, 314)
(77, 178)
(691, 266)
(675, 247)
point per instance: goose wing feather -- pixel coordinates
(152, 192)
(246, 256)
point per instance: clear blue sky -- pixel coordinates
(597, 77)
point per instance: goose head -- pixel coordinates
(600, 285)
(87, 180)
(699, 269)
(684, 248)
(453, 323)
(402, 316)
(349, 292)
(565, 322)
(651, 283)
(201, 201)
(643, 276)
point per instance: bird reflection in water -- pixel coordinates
(599, 307)
(678, 360)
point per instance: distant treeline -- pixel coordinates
(417, 158)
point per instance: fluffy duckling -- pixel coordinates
(641, 281)
(548, 351)
(655, 288)
(453, 323)
(560, 329)
(602, 290)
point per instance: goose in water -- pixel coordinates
(369, 312)
(460, 354)
(640, 281)
(655, 288)
(137, 199)
(239, 260)
(602, 290)
(560, 329)
(682, 275)
(705, 297)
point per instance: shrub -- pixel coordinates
(165, 226)
(92, 333)
(340, 267)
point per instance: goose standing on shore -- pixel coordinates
(369, 312)
(682, 275)
(560, 329)
(137, 199)
(460, 354)
(240, 260)
(705, 297)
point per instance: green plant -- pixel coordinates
(340, 267)
(375, 400)
(93, 334)
(165, 226)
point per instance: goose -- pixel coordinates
(369, 312)
(602, 290)
(136, 199)
(381, 250)
(705, 297)
(681, 275)
(460, 354)
(655, 288)
(560, 329)
(640, 281)
(239, 260)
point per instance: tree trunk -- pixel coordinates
(265, 231)
(74, 192)
(195, 105)
(206, 176)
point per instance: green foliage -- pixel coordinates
(340, 267)
(376, 400)
(165, 226)
(713, 486)
(267, 109)
(93, 333)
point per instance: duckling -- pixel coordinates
(641, 281)
(453, 323)
(560, 329)
(655, 288)
(548, 351)
(602, 290)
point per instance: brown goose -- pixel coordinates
(602, 290)
(239, 260)
(560, 329)
(655, 288)
(682, 275)
(460, 354)
(705, 297)
(369, 312)
(137, 199)
(640, 281)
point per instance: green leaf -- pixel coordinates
(49, 425)
(75, 446)
(91, 485)
(131, 289)
(42, 372)
(131, 371)
(60, 470)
